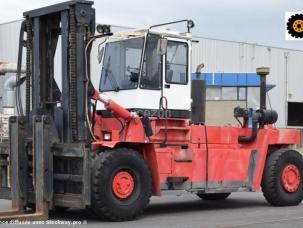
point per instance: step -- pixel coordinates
(176, 179)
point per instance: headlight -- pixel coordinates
(107, 136)
(103, 29)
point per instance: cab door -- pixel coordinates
(176, 75)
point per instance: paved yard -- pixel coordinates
(239, 210)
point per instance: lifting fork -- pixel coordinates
(42, 169)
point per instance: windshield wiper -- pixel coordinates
(112, 79)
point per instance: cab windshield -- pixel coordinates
(121, 64)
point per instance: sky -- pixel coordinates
(253, 21)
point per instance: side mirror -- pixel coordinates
(162, 46)
(100, 53)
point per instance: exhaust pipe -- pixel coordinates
(198, 96)
(263, 72)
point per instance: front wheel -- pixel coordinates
(282, 178)
(213, 196)
(121, 185)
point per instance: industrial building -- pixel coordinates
(229, 71)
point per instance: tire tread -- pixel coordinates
(270, 179)
(99, 207)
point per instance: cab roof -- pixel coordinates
(142, 32)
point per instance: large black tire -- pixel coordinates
(106, 203)
(274, 190)
(213, 196)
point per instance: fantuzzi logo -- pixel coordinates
(294, 26)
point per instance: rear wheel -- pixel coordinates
(282, 178)
(121, 185)
(213, 196)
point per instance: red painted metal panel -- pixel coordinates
(185, 153)
(164, 160)
(228, 164)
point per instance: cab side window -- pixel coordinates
(176, 63)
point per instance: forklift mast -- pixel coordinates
(50, 159)
(74, 21)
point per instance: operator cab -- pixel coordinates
(143, 69)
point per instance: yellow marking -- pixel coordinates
(298, 25)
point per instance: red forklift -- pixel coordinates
(142, 132)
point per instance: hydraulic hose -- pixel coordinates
(113, 107)
(19, 66)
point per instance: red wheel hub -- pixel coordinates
(291, 178)
(123, 185)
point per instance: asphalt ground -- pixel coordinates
(187, 210)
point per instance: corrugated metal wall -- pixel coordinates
(217, 55)
(9, 38)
